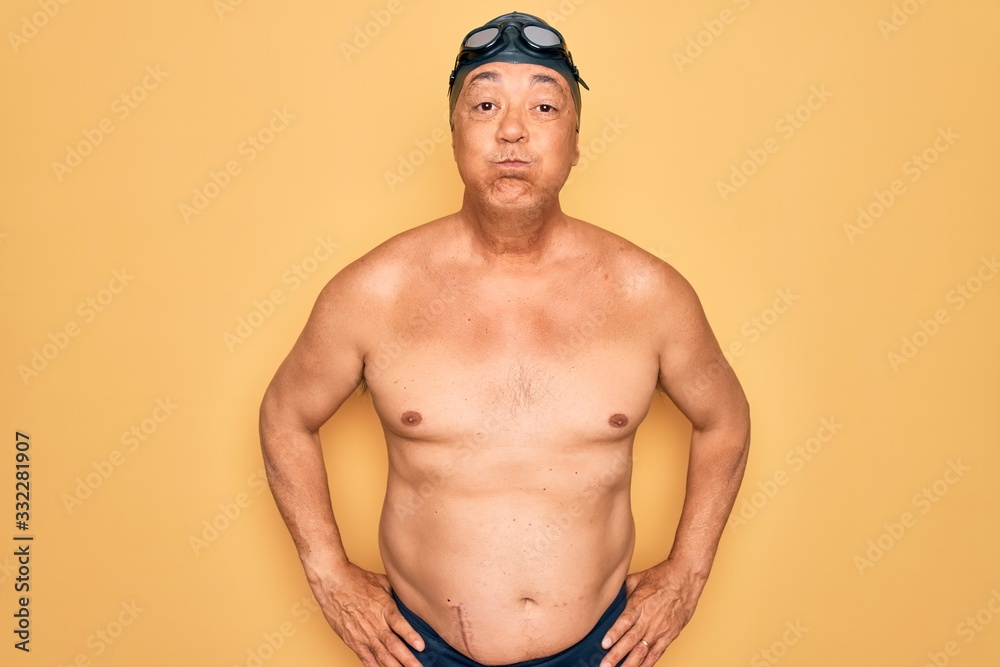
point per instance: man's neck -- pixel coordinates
(519, 235)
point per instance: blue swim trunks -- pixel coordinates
(585, 653)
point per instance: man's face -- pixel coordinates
(514, 134)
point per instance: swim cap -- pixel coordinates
(515, 38)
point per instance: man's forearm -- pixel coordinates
(293, 460)
(663, 598)
(715, 470)
(356, 603)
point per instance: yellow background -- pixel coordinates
(661, 133)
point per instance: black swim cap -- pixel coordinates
(515, 38)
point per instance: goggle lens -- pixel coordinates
(481, 38)
(540, 36)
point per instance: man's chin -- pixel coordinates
(514, 192)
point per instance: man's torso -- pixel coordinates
(509, 401)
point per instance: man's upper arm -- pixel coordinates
(327, 361)
(693, 371)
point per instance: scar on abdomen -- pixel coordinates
(461, 625)
(618, 420)
(411, 418)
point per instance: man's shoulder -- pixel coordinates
(403, 247)
(641, 273)
(383, 273)
(657, 295)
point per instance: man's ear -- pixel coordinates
(576, 147)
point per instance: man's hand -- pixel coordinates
(661, 600)
(360, 609)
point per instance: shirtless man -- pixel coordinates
(511, 352)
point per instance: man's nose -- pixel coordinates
(512, 127)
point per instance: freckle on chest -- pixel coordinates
(411, 418)
(618, 420)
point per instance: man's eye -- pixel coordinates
(546, 108)
(486, 106)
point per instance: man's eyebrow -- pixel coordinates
(549, 81)
(545, 79)
(487, 75)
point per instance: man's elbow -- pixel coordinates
(741, 434)
(282, 418)
(743, 416)
(740, 423)
(278, 427)
(270, 419)
(729, 425)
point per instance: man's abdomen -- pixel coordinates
(510, 569)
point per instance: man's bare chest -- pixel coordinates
(571, 366)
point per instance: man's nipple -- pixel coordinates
(618, 420)
(411, 418)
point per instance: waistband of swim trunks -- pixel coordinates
(595, 636)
